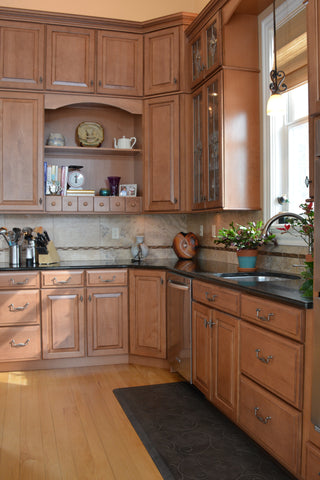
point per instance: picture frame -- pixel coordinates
(128, 190)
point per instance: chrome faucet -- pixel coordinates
(266, 230)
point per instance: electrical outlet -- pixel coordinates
(214, 231)
(201, 231)
(115, 233)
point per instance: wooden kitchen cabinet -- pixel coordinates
(21, 154)
(312, 471)
(313, 28)
(119, 63)
(21, 55)
(162, 61)
(215, 356)
(162, 154)
(147, 299)
(225, 161)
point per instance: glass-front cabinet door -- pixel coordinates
(198, 151)
(213, 44)
(213, 142)
(197, 62)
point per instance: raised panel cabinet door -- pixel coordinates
(21, 55)
(202, 348)
(107, 317)
(162, 56)
(21, 152)
(148, 313)
(162, 146)
(313, 28)
(63, 315)
(120, 63)
(70, 59)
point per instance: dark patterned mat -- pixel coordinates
(189, 439)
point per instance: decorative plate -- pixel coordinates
(90, 134)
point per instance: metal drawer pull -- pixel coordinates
(261, 419)
(108, 280)
(263, 359)
(12, 308)
(24, 282)
(17, 345)
(60, 282)
(264, 319)
(208, 324)
(212, 298)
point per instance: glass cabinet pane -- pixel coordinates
(213, 101)
(196, 59)
(212, 44)
(197, 150)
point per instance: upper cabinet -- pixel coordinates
(313, 26)
(21, 55)
(162, 61)
(206, 50)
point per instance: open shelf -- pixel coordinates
(99, 151)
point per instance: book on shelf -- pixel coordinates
(78, 193)
(55, 179)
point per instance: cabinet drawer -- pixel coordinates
(69, 204)
(19, 280)
(19, 307)
(20, 343)
(62, 278)
(271, 422)
(273, 361)
(107, 277)
(101, 204)
(133, 204)
(85, 204)
(217, 297)
(312, 462)
(289, 321)
(53, 203)
(117, 204)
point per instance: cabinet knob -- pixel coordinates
(133, 204)
(69, 204)
(117, 204)
(53, 204)
(175, 80)
(85, 204)
(101, 204)
(40, 79)
(100, 83)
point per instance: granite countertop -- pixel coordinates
(286, 291)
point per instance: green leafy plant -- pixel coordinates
(307, 287)
(244, 237)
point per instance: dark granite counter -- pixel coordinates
(286, 291)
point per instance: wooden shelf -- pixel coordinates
(85, 151)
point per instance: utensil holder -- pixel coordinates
(51, 257)
(14, 255)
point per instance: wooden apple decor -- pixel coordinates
(185, 245)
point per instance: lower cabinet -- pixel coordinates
(215, 356)
(148, 313)
(312, 462)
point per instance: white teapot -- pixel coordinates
(124, 142)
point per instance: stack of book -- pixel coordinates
(55, 179)
(85, 193)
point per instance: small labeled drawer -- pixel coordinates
(284, 319)
(312, 462)
(101, 204)
(272, 423)
(272, 361)
(20, 343)
(107, 277)
(133, 204)
(85, 204)
(117, 204)
(19, 280)
(69, 204)
(62, 278)
(19, 307)
(53, 203)
(217, 297)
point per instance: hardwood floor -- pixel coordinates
(67, 424)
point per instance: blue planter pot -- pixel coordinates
(247, 260)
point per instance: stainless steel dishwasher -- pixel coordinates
(179, 334)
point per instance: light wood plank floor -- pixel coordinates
(66, 424)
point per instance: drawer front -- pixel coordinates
(107, 277)
(289, 321)
(272, 423)
(19, 307)
(101, 204)
(117, 204)
(69, 204)
(312, 462)
(217, 297)
(20, 343)
(21, 280)
(85, 204)
(53, 203)
(272, 361)
(62, 278)
(133, 204)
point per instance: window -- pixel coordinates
(285, 139)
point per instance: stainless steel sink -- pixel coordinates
(253, 277)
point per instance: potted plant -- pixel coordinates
(246, 239)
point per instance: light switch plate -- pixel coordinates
(115, 233)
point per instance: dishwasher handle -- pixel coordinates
(178, 285)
